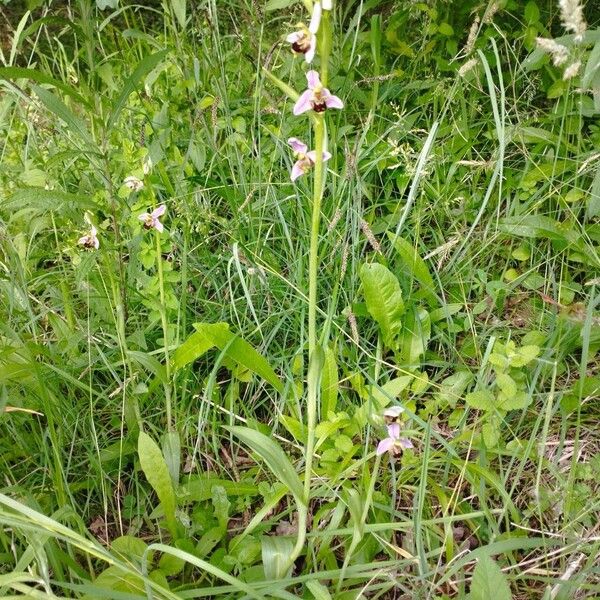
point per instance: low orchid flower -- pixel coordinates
(394, 444)
(305, 160)
(133, 183)
(304, 40)
(90, 240)
(151, 219)
(316, 97)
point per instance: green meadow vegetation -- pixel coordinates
(276, 325)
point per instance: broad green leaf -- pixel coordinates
(157, 473)
(278, 4)
(270, 451)
(318, 590)
(539, 226)
(276, 551)
(193, 348)
(104, 4)
(171, 446)
(294, 426)
(209, 335)
(414, 266)
(385, 393)
(129, 546)
(143, 68)
(179, 8)
(329, 383)
(221, 505)
(481, 400)
(43, 199)
(489, 581)
(452, 388)
(55, 105)
(383, 298)
(198, 488)
(415, 335)
(40, 77)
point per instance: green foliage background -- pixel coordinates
(458, 279)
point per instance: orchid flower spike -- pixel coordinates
(90, 240)
(133, 183)
(304, 40)
(316, 97)
(394, 444)
(305, 160)
(151, 219)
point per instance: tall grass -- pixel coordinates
(153, 393)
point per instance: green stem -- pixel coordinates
(313, 265)
(165, 328)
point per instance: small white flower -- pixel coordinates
(133, 183)
(326, 4)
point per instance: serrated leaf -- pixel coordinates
(343, 443)
(383, 298)
(524, 356)
(489, 581)
(491, 434)
(481, 400)
(516, 401)
(155, 469)
(270, 451)
(506, 383)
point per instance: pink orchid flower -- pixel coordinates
(316, 97)
(151, 219)
(305, 160)
(90, 240)
(304, 40)
(394, 444)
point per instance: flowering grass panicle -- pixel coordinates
(571, 14)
